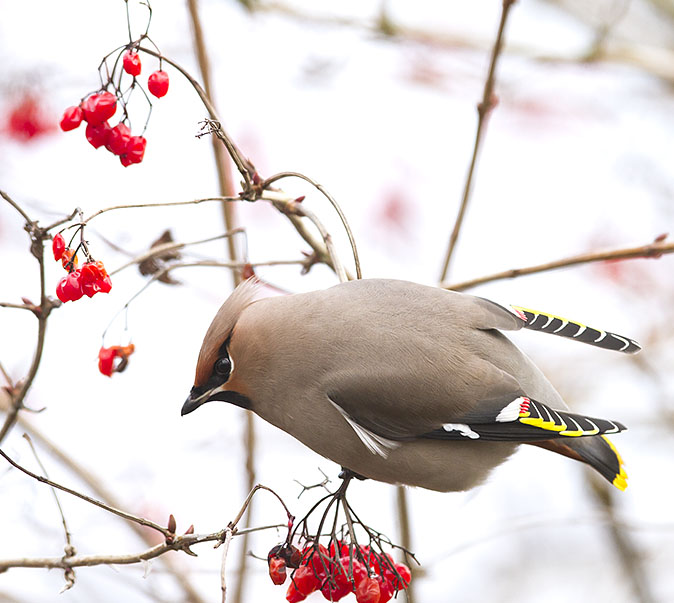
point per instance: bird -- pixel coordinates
(400, 382)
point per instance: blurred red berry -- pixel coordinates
(106, 360)
(58, 246)
(277, 570)
(131, 63)
(72, 118)
(368, 591)
(99, 107)
(98, 135)
(26, 119)
(158, 83)
(118, 139)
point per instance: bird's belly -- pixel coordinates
(445, 466)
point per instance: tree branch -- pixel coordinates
(652, 250)
(484, 108)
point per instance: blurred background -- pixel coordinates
(376, 101)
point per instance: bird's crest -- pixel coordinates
(222, 326)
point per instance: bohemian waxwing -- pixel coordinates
(399, 382)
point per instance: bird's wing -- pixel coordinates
(522, 420)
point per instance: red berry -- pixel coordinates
(72, 118)
(368, 591)
(106, 360)
(336, 588)
(405, 577)
(90, 279)
(58, 246)
(98, 135)
(59, 291)
(99, 107)
(105, 284)
(277, 570)
(386, 590)
(158, 83)
(358, 569)
(135, 150)
(118, 139)
(72, 286)
(303, 583)
(131, 63)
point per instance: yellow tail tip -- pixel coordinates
(620, 480)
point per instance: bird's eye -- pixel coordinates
(223, 366)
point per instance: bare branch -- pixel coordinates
(38, 235)
(165, 204)
(225, 550)
(130, 517)
(289, 206)
(159, 250)
(651, 250)
(333, 202)
(484, 108)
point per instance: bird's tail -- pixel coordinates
(596, 451)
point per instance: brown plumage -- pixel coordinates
(398, 382)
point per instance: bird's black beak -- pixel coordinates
(197, 397)
(206, 393)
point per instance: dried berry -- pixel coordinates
(69, 260)
(277, 570)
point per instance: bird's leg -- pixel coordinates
(348, 474)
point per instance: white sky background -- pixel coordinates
(576, 157)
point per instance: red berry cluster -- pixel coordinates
(96, 109)
(92, 278)
(108, 356)
(338, 571)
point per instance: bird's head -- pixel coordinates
(216, 375)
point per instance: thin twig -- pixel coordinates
(222, 165)
(159, 250)
(333, 202)
(290, 207)
(225, 550)
(37, 250)
(165, 204)
(95, 485)
(242, 164)
(70, 550)
(650, 250)
(484, 108)
(129, 516)
(179, 543)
